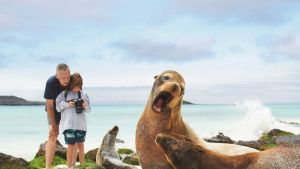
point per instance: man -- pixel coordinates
(55, 84)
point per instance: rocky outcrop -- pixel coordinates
(268, 140)
(186, 102)
(131, 159)
(60, 150)
(13, 100)
(91, 155)
(220, 138)
(286, 139)
(10, 162)
(251, 144)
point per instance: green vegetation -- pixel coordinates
(267, 146)
(39, 162)
(266, 139)
(131, 161)
(89, 165)
(125, 151)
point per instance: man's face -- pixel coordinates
(64, 77)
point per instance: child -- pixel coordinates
(73, 103)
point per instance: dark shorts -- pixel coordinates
(74, 136)
(57, 118)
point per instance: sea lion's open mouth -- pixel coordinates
(161, 101)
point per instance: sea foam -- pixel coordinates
(254, 119)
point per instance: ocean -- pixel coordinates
(24, 128)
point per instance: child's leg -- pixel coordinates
(70, 155)
(81, 152)
(75, 154)
(70, 141)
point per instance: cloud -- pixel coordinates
(265, 12)
(55, 59)
(268, 92)
(20, 15)
(280, 48)
(153, 52)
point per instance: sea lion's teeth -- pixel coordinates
(157, 109)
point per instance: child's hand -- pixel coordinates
(85, 104)
(71, 103)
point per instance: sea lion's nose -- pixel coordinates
(175, 86)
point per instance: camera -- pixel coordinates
(78, 105)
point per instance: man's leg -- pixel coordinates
(51, 145)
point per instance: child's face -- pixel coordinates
(76, 89)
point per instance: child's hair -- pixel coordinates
(75, 81)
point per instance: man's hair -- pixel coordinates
(75, 80)
(62, 66)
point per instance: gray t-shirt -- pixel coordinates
(69, 118)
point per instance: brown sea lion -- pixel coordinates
(182, 153)
(162, 114)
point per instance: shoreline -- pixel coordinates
(267, 141)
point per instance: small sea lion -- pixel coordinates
(107, 155)
(182, 153)
(162, 114)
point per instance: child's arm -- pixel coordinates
(61, 103)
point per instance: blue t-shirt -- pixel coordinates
(52, 89)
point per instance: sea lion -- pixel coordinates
(107, 155)
(182, 153)
(162, 114)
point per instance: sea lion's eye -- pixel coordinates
(166, 77)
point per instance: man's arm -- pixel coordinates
(50, 111)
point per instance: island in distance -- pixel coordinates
(16, 101)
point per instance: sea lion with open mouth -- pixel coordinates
(162, 114)
(182, 153)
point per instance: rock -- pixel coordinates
(267, 137)
(60, 150)
(220, 138)
(251, 144)
(131, 159)
(10, 162)
(91, 155)
(278, 132)
(286, 139)
(294, 123)
(186, 102)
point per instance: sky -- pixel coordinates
(227, 51)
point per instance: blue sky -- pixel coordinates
(227, 51)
